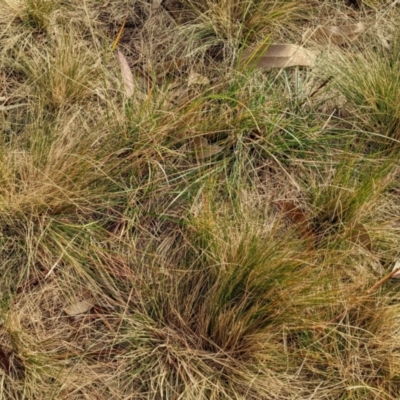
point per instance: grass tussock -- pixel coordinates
(176, 223)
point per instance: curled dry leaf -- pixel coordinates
(126, 73)
(204, 150)
(396, 268)
(278, 56)
(360, 235)
(197, 79)
(335, 34)
(80, 308)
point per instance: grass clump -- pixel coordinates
(370, 84)
(35, 15)
(176, 224)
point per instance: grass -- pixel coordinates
(225, 235)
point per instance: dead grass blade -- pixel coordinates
(118, 38)
(12, 106)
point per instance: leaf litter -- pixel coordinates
(278, 56)
(205, 150)
(81, 307)
(126, 73)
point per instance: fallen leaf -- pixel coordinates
(335, 34)
(360, 235)
(197, 79)
(292, 211)
(204, 150)
(126, 73)
(396, 267)
(278, 56)
(80, 308)
(297, 216)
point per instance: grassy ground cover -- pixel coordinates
(184, 215)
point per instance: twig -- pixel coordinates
(383, 280)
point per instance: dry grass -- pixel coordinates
(221, 233)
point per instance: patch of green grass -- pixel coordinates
(38, 12)
(370, 84)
